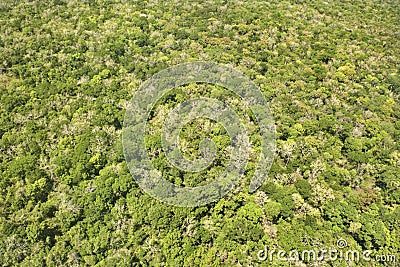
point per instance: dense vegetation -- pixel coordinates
(329, 69)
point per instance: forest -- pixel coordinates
(329, 70)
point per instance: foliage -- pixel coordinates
(329, 69)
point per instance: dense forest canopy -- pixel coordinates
(330, 71)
